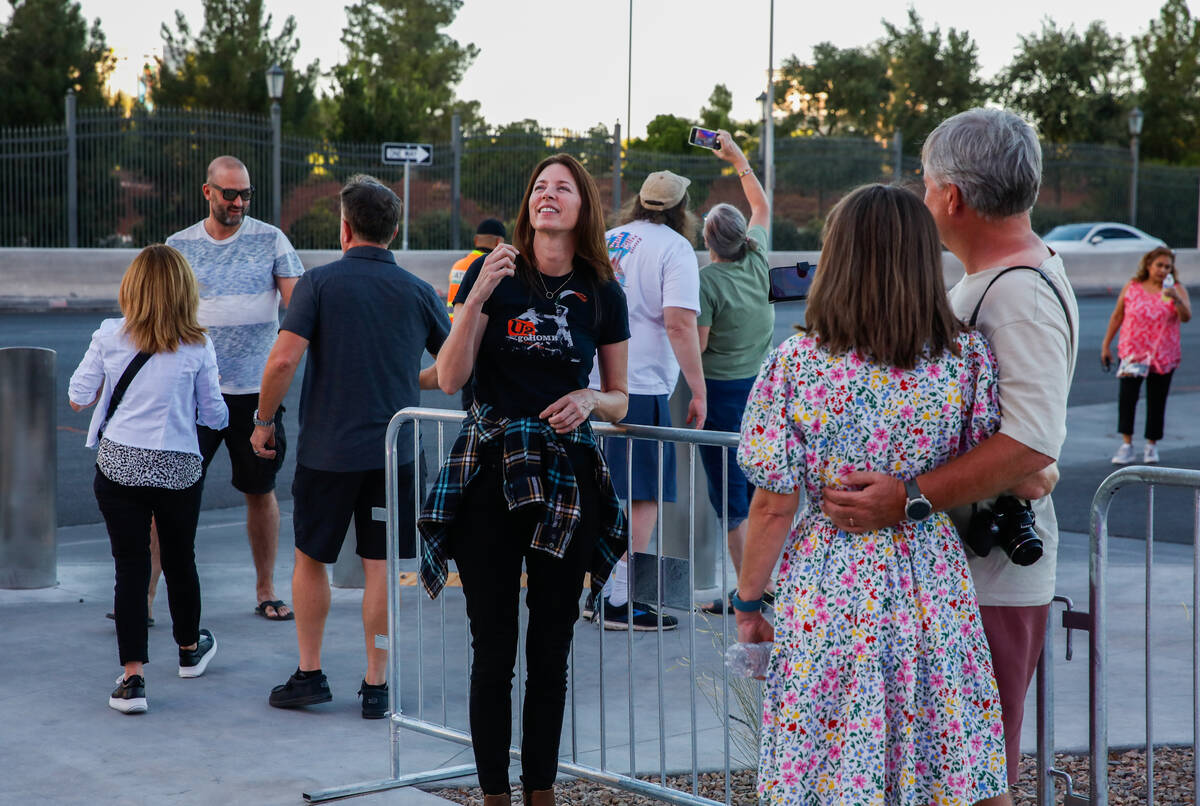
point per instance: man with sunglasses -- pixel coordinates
(244, 267)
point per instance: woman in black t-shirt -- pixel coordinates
(525, 480)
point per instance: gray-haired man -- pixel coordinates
(365, 323)
(983, 169)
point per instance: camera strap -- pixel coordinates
(1057, 295)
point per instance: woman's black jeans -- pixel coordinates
(1157, 387)
(127, 512)
(488, 543)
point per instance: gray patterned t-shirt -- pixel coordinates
(239, 303)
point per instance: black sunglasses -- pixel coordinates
(229, 194)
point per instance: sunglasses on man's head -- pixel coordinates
(229, 194)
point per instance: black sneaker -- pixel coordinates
(374, 700)
(129, 697)
(193, 662)
(589, 607)
(297, 692)
(643, 619)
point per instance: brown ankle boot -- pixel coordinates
(497, 800)
(539, 797)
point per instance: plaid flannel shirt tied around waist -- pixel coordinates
(537, 472)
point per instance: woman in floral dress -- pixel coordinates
(880, 687)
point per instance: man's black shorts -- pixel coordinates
(323, 501)
(251, 474)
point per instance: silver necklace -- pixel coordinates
(550, 294)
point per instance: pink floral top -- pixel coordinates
(1150, 327)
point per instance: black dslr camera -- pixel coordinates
(1009, 525)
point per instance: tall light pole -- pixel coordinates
(1136, 119)
(275, 76)
(769, 126)
(629, 77)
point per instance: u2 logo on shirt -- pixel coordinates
(521, 327)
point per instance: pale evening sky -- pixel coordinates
(563, 62)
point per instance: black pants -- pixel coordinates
(127, 512)
(488, 543)
(1157, 387)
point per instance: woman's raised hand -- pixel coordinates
(501, 262)
(729, 150)
(569, 411)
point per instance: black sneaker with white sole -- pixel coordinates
(310, 689)
(129, 697)
(374, 700)
(642, 618)
(589, 607)
(193, 662)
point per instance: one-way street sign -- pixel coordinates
(407, 154)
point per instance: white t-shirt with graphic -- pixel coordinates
(239, 303)
(657, 268)
(1035, 358)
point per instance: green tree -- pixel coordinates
(1168, 55)
(398, 80)
(933, 78)
(1072, 85)
(45, 49)
(224, 66)
(666, 134)
(716, 114)
(843, 91)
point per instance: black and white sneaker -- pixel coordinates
(129, 697)
(193, 662)
(374, 700)
(642, 618)
(589, 607)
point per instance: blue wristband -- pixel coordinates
(741, 605)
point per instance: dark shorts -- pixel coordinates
(726, 403)
(251, 475)
(324, 501)
(643, 410)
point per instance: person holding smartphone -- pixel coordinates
(735, 326)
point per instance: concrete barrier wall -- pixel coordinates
(42, 279)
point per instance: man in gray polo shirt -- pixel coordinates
(244, 267)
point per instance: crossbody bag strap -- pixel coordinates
(131, 369)
(1057, 295)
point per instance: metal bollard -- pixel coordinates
(348, 570)
(28, 468)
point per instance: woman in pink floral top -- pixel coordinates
(1148, 312)
(880, 688)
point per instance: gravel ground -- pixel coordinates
(1173, 783)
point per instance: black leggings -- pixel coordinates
(1157, 387)
(488, 543)
(127, 512)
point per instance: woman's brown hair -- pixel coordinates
(678, 218)
(1154, 254)
(159, 297)
(878, 288)
(590, 247)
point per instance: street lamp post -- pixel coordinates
(1136, 119)
(275, 76)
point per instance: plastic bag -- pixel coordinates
(748, 660)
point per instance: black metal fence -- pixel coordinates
(108, 179)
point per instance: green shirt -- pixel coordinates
(733, 302)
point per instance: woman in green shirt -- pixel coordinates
(736, 324)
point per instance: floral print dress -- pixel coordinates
(880, 688)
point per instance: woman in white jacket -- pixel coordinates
(148, 460)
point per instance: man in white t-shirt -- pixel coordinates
(655, 262)
(244, 267)
(983, 169)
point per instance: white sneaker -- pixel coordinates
(1124, 454)
(1150, 456)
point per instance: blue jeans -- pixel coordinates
(726, 402)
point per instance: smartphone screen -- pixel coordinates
(789, 283)
(705, 138)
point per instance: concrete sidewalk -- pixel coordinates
(215, 739)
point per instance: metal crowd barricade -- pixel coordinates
(1151, 477)
(419, 702)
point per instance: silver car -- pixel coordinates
(1103, 236)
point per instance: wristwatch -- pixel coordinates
(263, 423)
(917, 508)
